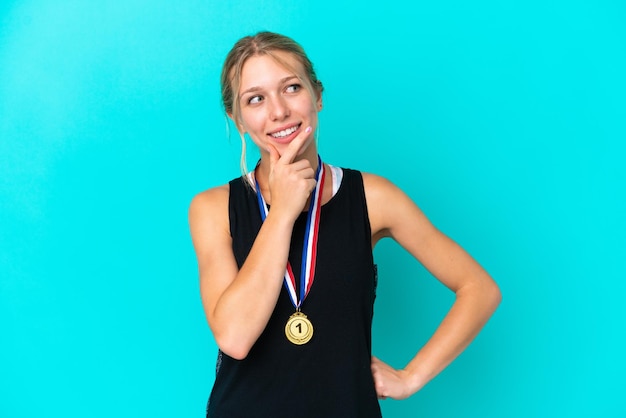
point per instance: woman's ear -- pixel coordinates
(239, 126)
(318, 92)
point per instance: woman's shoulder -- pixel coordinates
(210, 202)
(375, 183)
(211, 195)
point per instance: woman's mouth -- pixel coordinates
(285, 134)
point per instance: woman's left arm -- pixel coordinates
(393, 214)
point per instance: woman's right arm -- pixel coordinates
(239, 302)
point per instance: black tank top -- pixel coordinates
(329, 376)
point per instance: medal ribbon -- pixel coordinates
(309, 250)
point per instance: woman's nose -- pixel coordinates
(279, 109)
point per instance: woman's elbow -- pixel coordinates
(232, 346)
(493, 295)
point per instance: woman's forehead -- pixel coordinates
(268, 69)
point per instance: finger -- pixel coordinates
(294, 147)
(303, 167)
(274, 155)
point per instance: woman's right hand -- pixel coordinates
(290, 183)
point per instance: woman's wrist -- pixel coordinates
(416, 378)
(280, 220)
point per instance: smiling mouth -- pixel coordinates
(285, 132)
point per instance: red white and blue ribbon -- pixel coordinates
(309, 250)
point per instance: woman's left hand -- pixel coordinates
(389, 382)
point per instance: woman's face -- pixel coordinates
(275, 105)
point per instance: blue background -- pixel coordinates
(504, 121)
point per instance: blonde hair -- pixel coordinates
(263, 43)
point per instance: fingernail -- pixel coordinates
(308, 129)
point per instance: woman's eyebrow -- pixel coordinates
(257, 88)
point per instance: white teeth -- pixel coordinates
(284, 133)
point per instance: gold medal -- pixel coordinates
(299, 330)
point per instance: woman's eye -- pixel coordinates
(255, 99)
(293, 88)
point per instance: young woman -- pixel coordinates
(285, 259)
